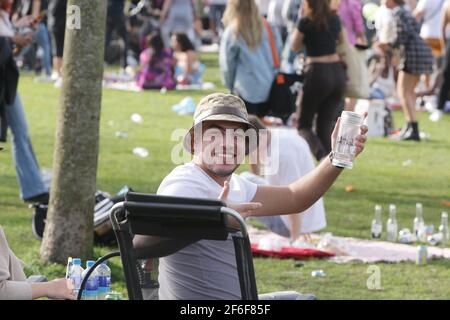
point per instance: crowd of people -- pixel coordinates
(261, 43)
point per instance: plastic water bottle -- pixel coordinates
(391, 226)
(443, 228)
(76, 274)
(419, 223)
(104, 280)
(377, 225)
(91, 289)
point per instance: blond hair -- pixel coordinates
(244, 17)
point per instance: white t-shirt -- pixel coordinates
(6, 28)
(207, 268)
(385, 25)
(295, 161)
(432, 10)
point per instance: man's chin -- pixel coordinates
(223, 170)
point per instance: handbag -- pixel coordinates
(357, 72)
(281, 98)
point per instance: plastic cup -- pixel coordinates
(345, 148)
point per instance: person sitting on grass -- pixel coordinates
(157, 64)
(13, 283)
(206, 269)
(294, 160)
(188, 69)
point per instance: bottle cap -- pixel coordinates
(89, 263)
(76, 261)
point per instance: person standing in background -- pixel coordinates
(290, 14)
(12, 115)
(178, 16)
(116, 20)
(350, 13)
(429, 13)
(57, 27)
(245, 56)
(216, 11)
(416, 59)
(319, 31)
(445, 43)
(275, 17)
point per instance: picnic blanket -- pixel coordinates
(338, 249)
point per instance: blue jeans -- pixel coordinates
(27, 168)
(43, 40)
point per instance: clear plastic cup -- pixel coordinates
(345, 148)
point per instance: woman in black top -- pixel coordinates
(319, 30)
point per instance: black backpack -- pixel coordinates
(103, 232)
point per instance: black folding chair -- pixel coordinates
(178, 218)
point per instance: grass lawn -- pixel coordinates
(378, 178)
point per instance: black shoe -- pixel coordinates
(39, 219)
(40, 198)
(404, 130)
(412, 134)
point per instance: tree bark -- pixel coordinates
(69, 227)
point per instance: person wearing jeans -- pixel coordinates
(12, 116)
(27, 168)
(43, 40)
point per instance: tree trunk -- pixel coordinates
(69, 228)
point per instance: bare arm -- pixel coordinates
(36, 9)
(165, 9)
(298, 196)
(418, 14)
(297, 41)
(303, 193)
(190, 59)
(56, 289)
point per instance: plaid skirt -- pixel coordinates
(416, 57)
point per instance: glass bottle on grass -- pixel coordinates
(443, 228)
(391, 225)
(419, 223)
(377, 225)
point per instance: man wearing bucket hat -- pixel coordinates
(219, 141)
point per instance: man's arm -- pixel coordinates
(299, 195)
(303, 193)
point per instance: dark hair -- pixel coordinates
(184, 41)
(399, 2)
(155, 41)
(321, 13)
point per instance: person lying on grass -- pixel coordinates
(206, 269)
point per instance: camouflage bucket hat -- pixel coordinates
(219, 107)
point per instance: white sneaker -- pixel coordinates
(43, 78)
(59, 83)
(436, 115)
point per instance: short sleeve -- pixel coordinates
(302, 25)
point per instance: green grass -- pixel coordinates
(378, 178)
